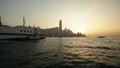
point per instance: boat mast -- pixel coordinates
(24, 21)
(0, 21)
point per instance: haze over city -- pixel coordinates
(92, 17)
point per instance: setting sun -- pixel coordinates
(59, 33)
(89, 17)
(77, 23)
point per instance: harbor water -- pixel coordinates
(61, 52)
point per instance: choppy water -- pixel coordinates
(73, 52)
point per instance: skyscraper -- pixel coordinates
(60, 25)
(0, 21)
(24, 21)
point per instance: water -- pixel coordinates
(73, 52)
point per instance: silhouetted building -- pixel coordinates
(24, 21)
(0, 21)
(58, 32)
(60, 25)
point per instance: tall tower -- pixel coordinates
(0, 21)
(24, 21)
(60, 25)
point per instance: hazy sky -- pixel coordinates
(93, 17)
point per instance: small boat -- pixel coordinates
(20, 32)
(101, 36)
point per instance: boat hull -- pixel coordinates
(20, 37)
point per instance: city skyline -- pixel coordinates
(92, 17)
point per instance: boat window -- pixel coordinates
(30, 31)
(24, 30)
(27, 30)
(20, 30)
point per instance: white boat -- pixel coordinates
(20, 32)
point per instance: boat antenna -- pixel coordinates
(0, 21)
(24, 21)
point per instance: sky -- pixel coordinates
(92, 17)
